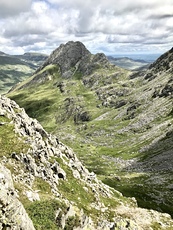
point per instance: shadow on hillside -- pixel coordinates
(157, 157)
(150, 179)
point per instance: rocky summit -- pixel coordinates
(67, 56)
(119, 125)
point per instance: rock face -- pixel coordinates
(68, 55)
(72, 57)
(37, 164)
(12, 212)
(41, 149)
(162, 64)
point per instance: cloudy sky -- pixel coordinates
(109, 26)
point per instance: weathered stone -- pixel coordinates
(32, 195)
(13, 215)
(58, 171)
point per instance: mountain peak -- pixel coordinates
(74, 55)
(67, 55)
(70, 60)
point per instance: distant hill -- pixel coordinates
(16, 68)
(129, 63)
(33, 59)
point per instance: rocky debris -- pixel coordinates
(150, 76)
(120, 103)
(167, 90)
(62, 87)
(32, 195)
(73, 108)
(137, 74)
(120, 163)
(70, 213)
(59, 171)
(110, 96)
(145, 217)
(132, 109)
(164, 91)
(12, 213)
(82, 116)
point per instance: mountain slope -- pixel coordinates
(119, 123)
(49, 183)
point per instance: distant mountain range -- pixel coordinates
(129, 63)
(33, 59)
(16, 68)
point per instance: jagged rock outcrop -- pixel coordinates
(68, 60)
(73, 57)
(12, 213)
(67, 56)
(42, 149)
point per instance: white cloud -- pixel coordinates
(103, 26)
(9, 8)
